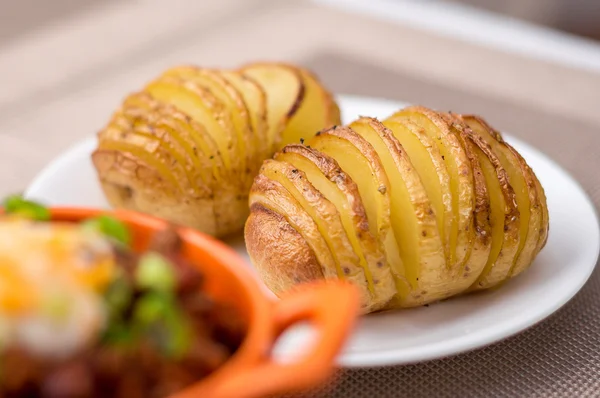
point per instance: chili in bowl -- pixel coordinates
(120, 304)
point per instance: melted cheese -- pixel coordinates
(51, 279)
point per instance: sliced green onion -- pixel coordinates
(16, 204)
(155, 272)
(110, 227)
(151, 308)
(158, 318)
(118, 295)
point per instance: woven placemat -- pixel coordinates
(559, 357)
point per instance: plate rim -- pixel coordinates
(442, 349)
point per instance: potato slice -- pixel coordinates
(150, 149)
(325, 215)
(121, 169)
(359, 160)
(345, 264)
(229, 212)
(315, 112)
(273, 196)
(481, 231)
(529, 250)
(414, 224)
(523, 183)
(204, 108)
(220, 217)
(190, 134)
(282, 256)
(136, 126)
(327, 177)
(133, 179)
(231, 209)
(427, 160)
(285, 93)
(461, 177)
(236, 111)
(181, 130)
(142, 123)
(255, 98)
(541, 195)
(504, 216)
(140, 148)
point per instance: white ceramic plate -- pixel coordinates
(441, 329)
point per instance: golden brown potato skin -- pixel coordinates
(123, 174)
(494, 244)
(188, 146)
(292, 263)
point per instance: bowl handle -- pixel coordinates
(331, 308)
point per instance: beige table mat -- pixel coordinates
(559, 357)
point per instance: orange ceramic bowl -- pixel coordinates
(331, 308)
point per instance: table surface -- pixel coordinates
(62, 81)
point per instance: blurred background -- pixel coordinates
(580, 17)
(529, 66)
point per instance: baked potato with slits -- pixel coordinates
(188, 145)
(414, 209)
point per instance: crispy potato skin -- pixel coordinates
(496, 271)
(282, 256)
(481, 230)
(326, 218)
(488, 246)
(130, 183)
(530, 202)
(367, 247)
(197, 138)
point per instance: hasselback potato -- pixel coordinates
(187, 147)
(413, 209)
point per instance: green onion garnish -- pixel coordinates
(154, 272)
(110, 227)
(16, 204)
